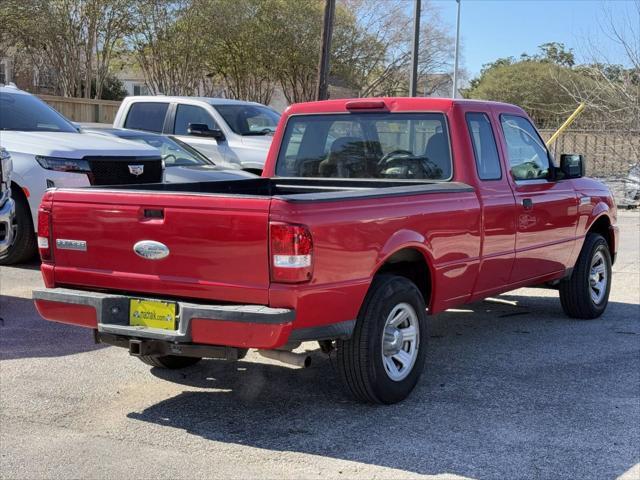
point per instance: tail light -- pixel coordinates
(291, 253)
(45, 235)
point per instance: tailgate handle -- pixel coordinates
(153, 213)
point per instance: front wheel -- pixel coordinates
(585, 294)
(383, 360)
(24, 246)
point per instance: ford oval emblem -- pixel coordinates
(151, 250)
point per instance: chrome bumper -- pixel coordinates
(112, 312)
(7, 233)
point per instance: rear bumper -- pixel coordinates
(7, 211)
(244, 326)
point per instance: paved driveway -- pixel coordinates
(512, 389)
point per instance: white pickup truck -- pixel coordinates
(232, 133)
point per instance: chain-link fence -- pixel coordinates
(609, 155)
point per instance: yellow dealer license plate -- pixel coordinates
(152, 314)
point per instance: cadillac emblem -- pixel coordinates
(136, 170)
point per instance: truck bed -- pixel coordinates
(217, 232)
(300, 189)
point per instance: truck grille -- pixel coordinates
(124, 170)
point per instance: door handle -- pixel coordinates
(527, 203)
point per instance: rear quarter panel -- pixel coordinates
(353, 238)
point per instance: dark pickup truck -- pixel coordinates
(371, 215)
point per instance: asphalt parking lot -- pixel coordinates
(512, 389)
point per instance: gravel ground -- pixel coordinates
(512, 389)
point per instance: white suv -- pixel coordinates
(48, 151)
(232, 133)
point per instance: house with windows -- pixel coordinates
(131, 76)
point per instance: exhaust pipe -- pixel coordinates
(301, 360)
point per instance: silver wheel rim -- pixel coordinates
(598, 278)
(400, 341)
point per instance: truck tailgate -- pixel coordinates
(218, 245)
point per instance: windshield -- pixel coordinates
(174, 152)
(27, 113)
(249, 119)
(366, 145)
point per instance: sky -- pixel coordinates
(491, 29)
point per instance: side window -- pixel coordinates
(147, 116)
(484, 146)
(528, 157)
(186, 114)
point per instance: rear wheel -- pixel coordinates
(171, 362)
(24, 246)
(585, 294)
(383, 360)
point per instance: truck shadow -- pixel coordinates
(511, 389)
(33, 264)
(24, 334)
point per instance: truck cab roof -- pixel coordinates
(395, 104)
(179, 98)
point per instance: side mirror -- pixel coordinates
(203, 130)
(572, 166)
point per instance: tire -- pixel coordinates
(170, 362)
(579, 296)
(24, 246)
(363, 360)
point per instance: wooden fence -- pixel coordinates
(84, 109)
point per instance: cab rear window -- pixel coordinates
(147, 116)
(366, 145)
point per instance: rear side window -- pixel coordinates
(366, 145)
(485, 150)
(147, 116)
(528, 157)
(186, 114)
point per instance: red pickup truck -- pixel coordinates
(371, 214)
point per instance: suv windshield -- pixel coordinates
(26, 113)
(249, 119)
(174, 152)
(366, 145)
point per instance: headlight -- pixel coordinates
(64, 164)
(6, 166)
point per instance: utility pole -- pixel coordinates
(413, 81)
(454, 91)
(322, 92)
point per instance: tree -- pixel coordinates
(612, 96)
(614, 90)
(74, 39)
(167, 46)
(532, 83)
(384, 48)
(294, 45)
(112, 89)
(237, 47)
